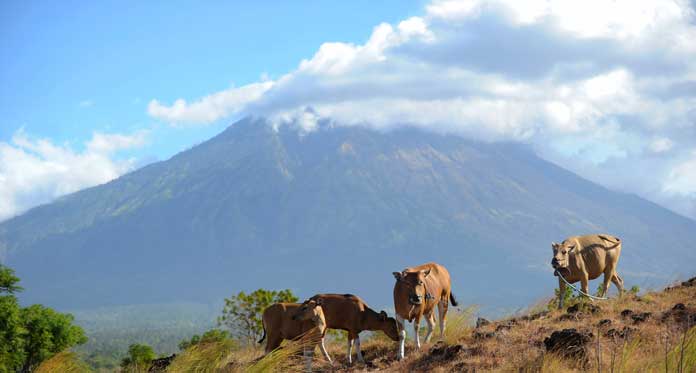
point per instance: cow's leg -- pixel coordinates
(608, 274)
(402, 336)
(357, 349)
(416, 326)
(561, 292)
(584, 282)
(323, 351)
(430, 320)
(308, 353)
(618, 281)
(442, 314)
(273, 341)
(350, 350)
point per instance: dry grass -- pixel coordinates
(663, 342)
(67, 362)
(215, 356)
(517, 343)
(459, 324)
(286, 357)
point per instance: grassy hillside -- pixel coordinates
(652, 332)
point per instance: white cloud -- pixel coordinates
(682, 178)
(661, 145)
(210, 108)
(35, 171)
(590, 84)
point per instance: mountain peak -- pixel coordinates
(337, 201)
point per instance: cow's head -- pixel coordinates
(389, 326)
(413, 284)
(561, 256)
(309, 310)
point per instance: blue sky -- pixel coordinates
(92, 90)
(70, 68)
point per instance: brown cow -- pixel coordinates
(280, 323)
(416, 293)
(584, 258)
(350, 313)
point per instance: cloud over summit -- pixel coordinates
(607, 89)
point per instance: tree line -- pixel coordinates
(30, 335)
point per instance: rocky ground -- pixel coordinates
(651, 332)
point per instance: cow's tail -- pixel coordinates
(612, 239)
(264, 334)
(453, 300)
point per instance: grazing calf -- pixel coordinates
(584, 258)
(280, 323)
(312, 311)
(416, 293)
(350, 313)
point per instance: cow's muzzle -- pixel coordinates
(415, 299)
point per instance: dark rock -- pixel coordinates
(444, 352)
(691, 282)
(583, 307)
(569, 343)
(605, 322)
(481, 322)
(624, 333)
(538, 315)
(505, 326)
(568, 317)
(535, 316)
(482, 335)
(681, 314)
(161, 364)
(626, 313)
(641, 317)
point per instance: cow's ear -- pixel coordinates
(319, 301)
(426, 272)
(383, 315)
(554, 245)
(397, 275)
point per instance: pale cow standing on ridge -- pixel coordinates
(416, 293)
(584, 258)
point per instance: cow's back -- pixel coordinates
(277, 318)
(341, 311)
(598, 251)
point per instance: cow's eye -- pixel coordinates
(420, 282)
(564, 252)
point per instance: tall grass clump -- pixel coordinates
(459, 324)
(282, 358)
(65, 362)
(682, 357)
(546, 363)
(214, 356)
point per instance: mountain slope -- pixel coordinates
(338, 210)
